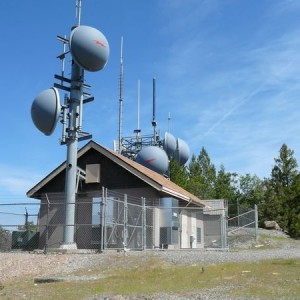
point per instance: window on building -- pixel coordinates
(111, 210)
(96, 211)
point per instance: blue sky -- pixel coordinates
(228, 72)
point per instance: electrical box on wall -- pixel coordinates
(92, 173)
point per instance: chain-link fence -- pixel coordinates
(18, 226)
(111, 220)
(244, 226)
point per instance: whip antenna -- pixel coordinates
(121, 98)
(154, 123)
(78, 11)
(139, 101)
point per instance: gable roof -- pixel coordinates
(157, 181)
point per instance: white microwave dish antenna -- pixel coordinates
(45, 110)
(89, 48)
(153, 158)
(182, 152)
(169, 144)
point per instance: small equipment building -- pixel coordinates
(119, 203)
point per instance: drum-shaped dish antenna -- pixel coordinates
(45, 110)
(169, 144)
(153, 158)
(89, 48)
(182, 152)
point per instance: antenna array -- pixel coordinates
(89, 50)
(151, 150)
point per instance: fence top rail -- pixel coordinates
(239, 228)
(236, 217)
(16, 214)
(19, 203)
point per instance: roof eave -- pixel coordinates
(120, 161)
(55, 172)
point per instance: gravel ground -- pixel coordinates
(18, 264)
(14, 265)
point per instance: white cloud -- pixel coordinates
(242, 105)
(14, 183)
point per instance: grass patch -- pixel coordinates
(271, 279)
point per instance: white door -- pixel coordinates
(185, 239)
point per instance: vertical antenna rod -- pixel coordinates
(121, 98)
(139, 100)
(169, 121)
(78, 11)
(153, 116)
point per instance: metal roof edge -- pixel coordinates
(129, 165)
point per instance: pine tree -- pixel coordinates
(282, 195)
(251, 190)
(285, 169)
(195, 180)
(225, 188)
(178, 174)
(225, 185)
(202, 176)
(293, 223)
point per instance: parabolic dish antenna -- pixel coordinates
(182, 152)
(45, 110)
(89, 48)
(169, 144)
(153, 158)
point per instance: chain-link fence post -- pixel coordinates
(256, 222)
(125, 221)
(238, 212)
(144, 238)
(102, 221)
(224, 242)
(47, 225)
(103, 215)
